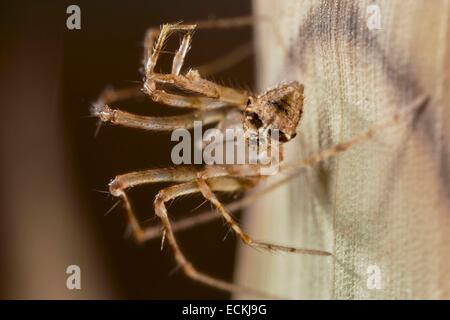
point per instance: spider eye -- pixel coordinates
(254, 119)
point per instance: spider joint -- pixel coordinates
(116, 188)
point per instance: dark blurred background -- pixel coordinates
(52, 166)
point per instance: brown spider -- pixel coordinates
(279, 109)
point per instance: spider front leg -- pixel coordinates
(152, 52)
(155, 38)
(192, 81)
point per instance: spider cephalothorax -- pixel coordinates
(279, 109)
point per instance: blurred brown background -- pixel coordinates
(51, 164)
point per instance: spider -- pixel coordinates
(279, 108)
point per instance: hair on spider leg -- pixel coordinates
(200, 205)
(230, 230)
(96, 110)
(108, 196)
(89, 116)
(151, 219)
(98, 126)
(168, 205)
(179, 199)
(128, 233)
(112, 208)
(174, 270)
(163, 238)
(102, 191)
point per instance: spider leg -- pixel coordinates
(111, 95)
(153, 232)
(293, 167)
(155, 37)
(209, 194)
(192, 81)
(153, 44)
(176, 100)
(153, 48)
(187, 268)
(121, 183)
(127, 119)
(210, 215)
(236, 55)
